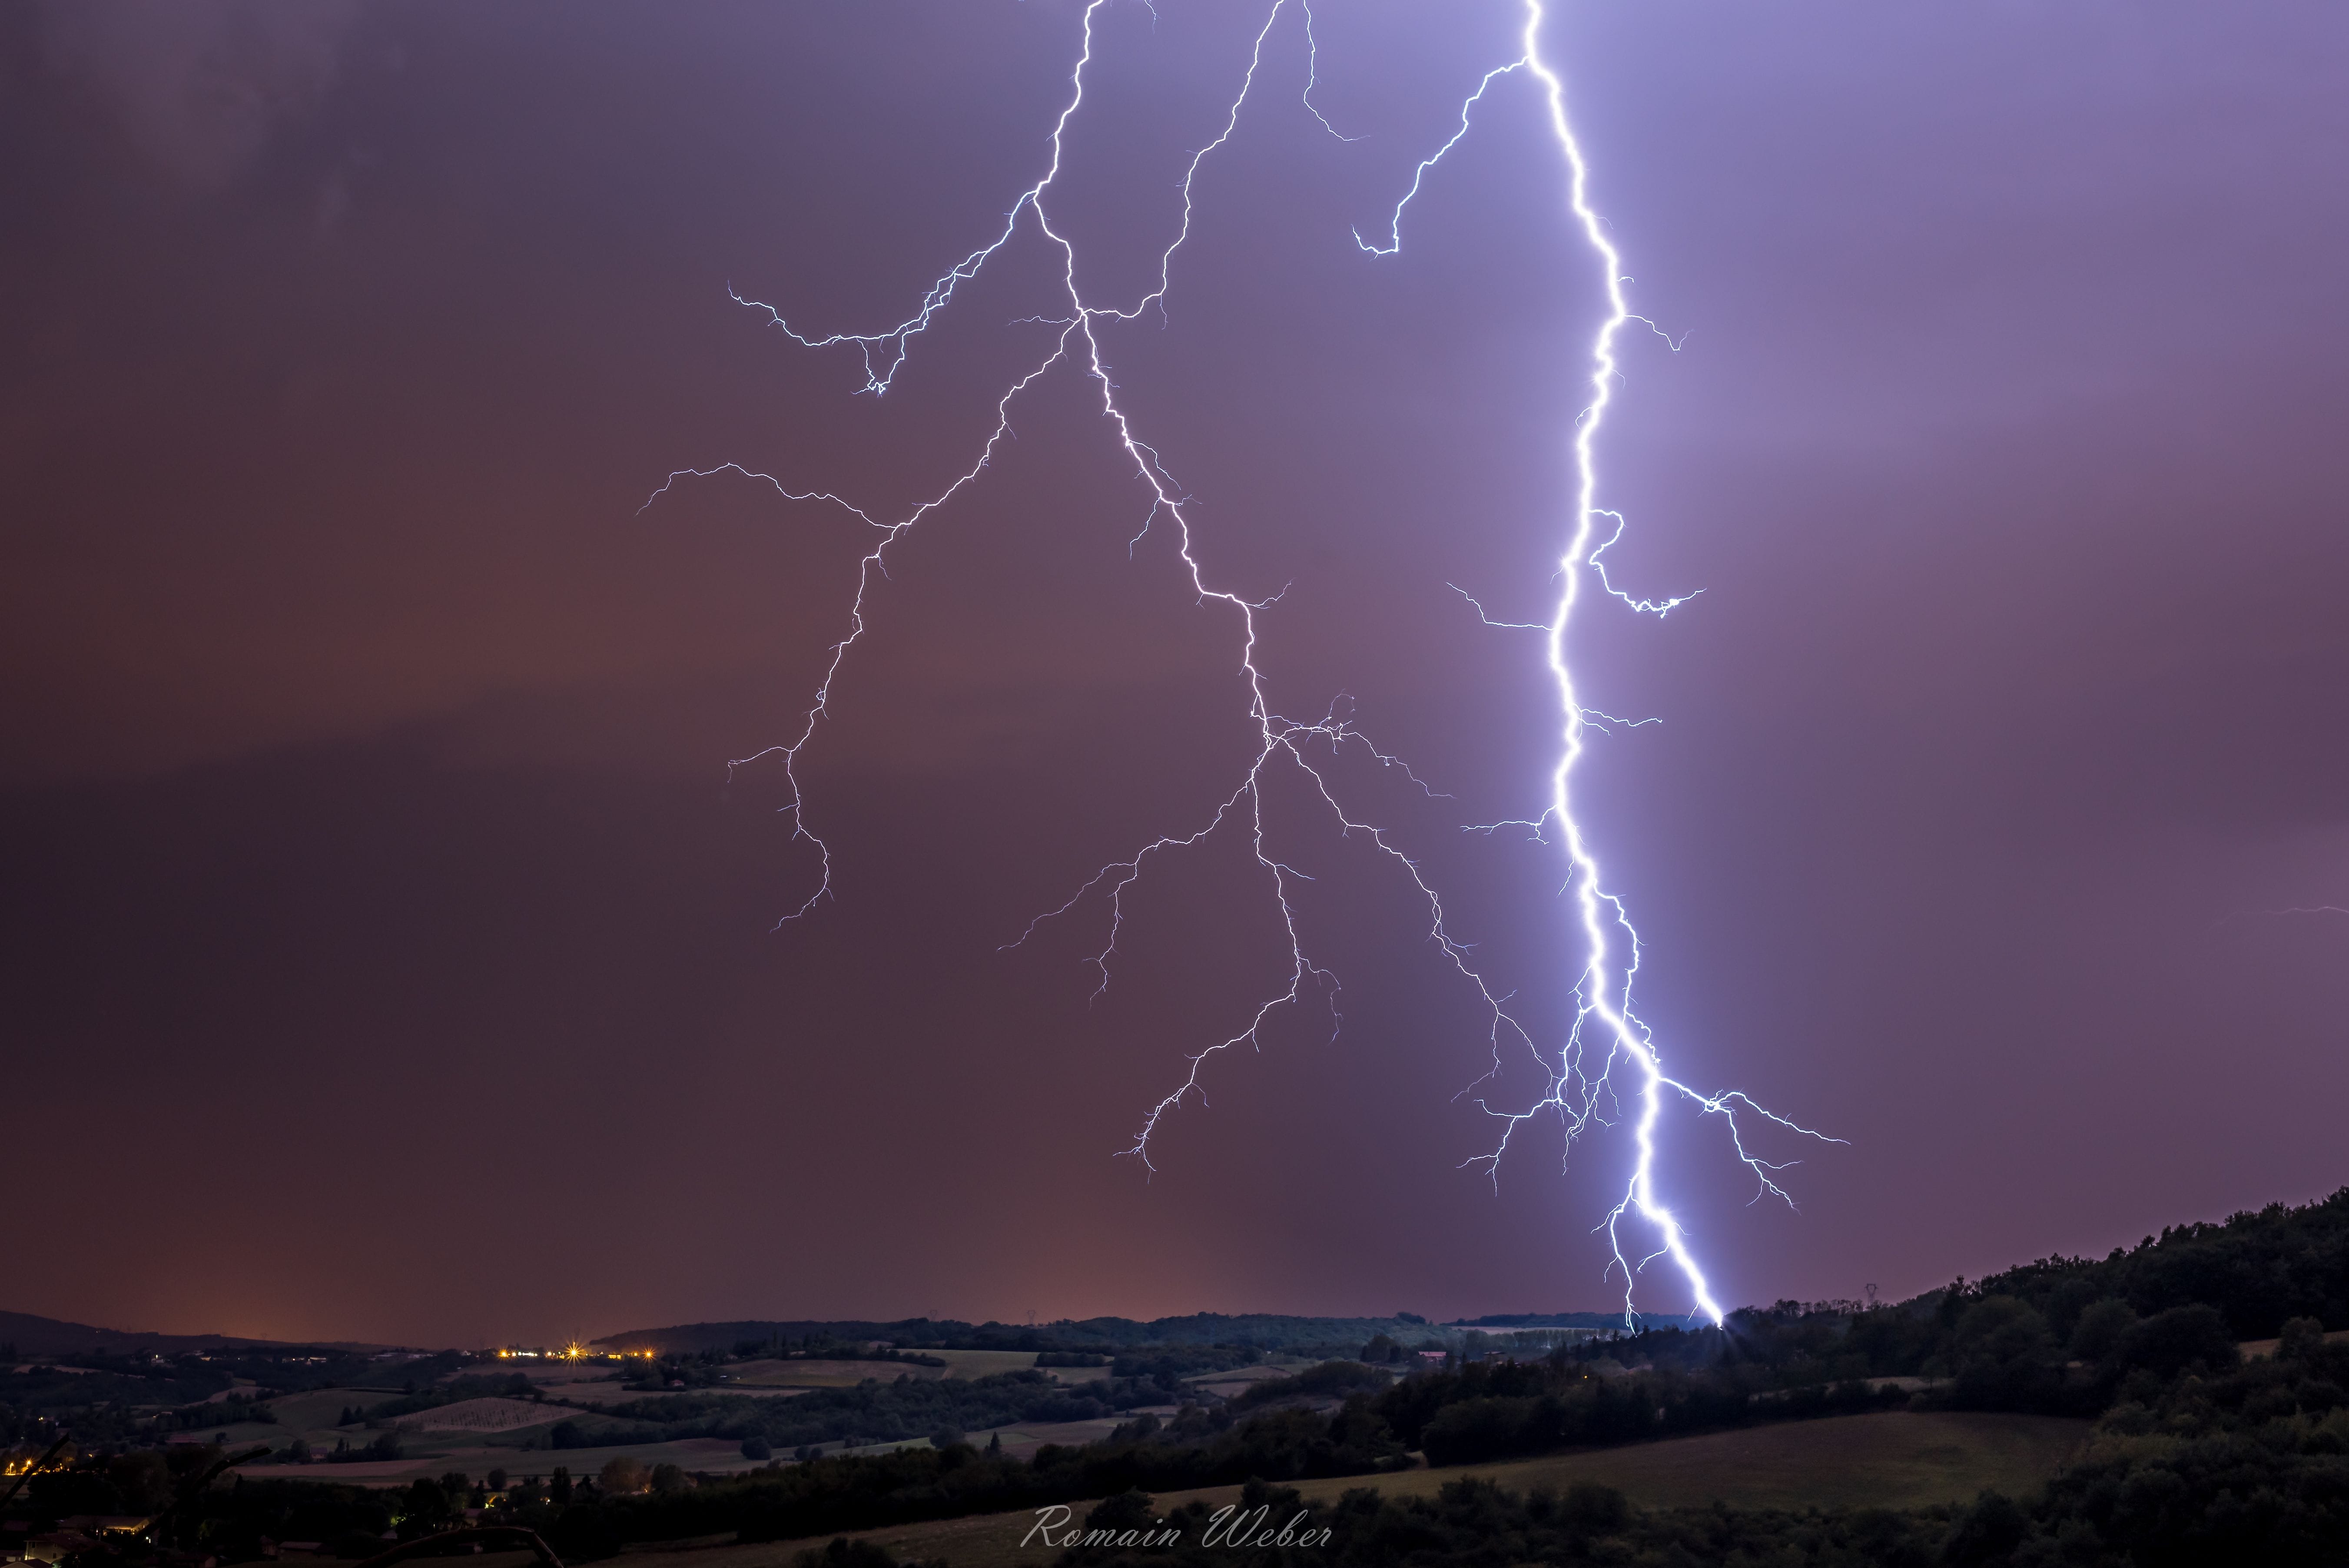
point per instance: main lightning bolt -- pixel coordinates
(1604, 988)
(1605, 1033)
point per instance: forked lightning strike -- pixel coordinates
(1606, 1032)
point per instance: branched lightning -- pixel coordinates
(1604, 988)
(1605, 1033)
(2281, 913)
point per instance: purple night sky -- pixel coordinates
(386, 954)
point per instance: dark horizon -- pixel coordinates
(388, 955)
(38, 1337)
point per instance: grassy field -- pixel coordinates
(583, 1383)
(1225, 1384)
(987, 1363)
(319, 1408)
(967, 1364)
(477, 1435)
(1890, 1460)
(796, 1374)
(1895, 1460)
(435, 1454)
(491, 1414)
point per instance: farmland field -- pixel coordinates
(1224, 1385)
(491, 1414)
(1895, 1460)
(319, 1408)
(471, 1455)
(797, 1374)
(987, 1363)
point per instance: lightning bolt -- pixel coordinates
(1603, 990)
(1605, 1033)
(2279, 913)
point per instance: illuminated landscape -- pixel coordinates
(1992, 1416)
(820, 785)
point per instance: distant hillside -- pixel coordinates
(1269, 1332)
(1506, 1321)
(35, 1336)
(2259, 1268)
